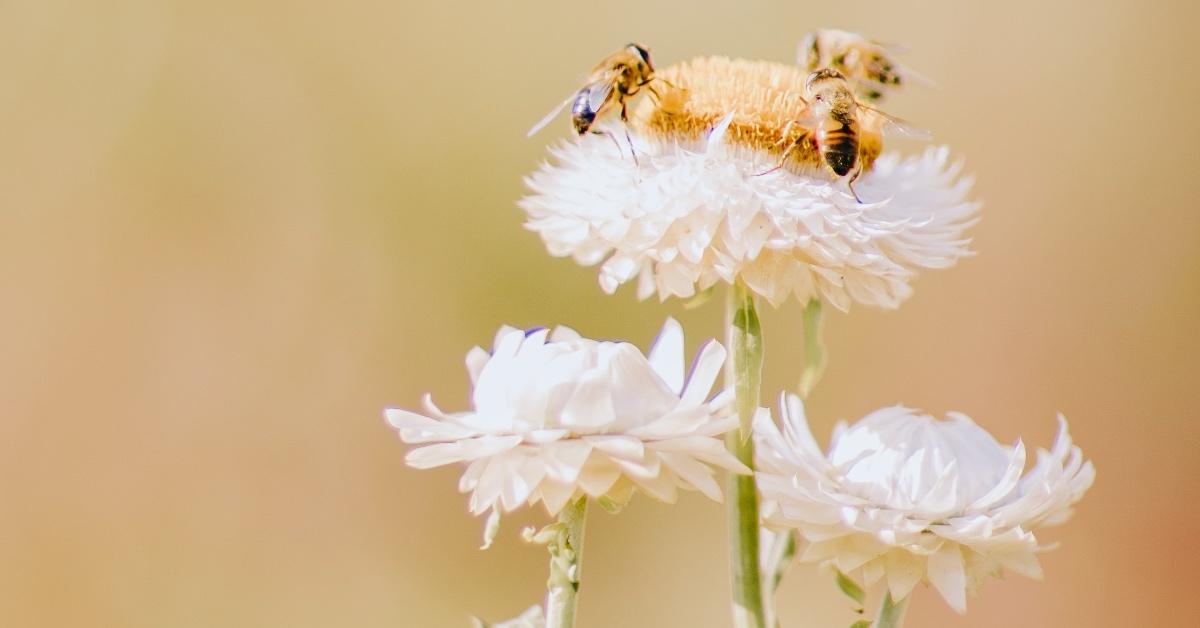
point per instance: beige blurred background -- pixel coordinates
(232, 232)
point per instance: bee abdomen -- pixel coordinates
(840, 150)
(582, 114)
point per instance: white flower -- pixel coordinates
(909, 498)
(556, 416)
(694, 212)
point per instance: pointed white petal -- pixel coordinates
(945, 571)
(666, 356)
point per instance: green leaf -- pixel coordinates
(610, 505)
(701, 298)
(851, 588)
(814, 348)
(862, 623)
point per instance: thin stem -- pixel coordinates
(814, 348)
(779, 549)
(744, 373)
(891, 613)
(566, 555)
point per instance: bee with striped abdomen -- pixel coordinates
(841, 126)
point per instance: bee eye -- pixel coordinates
(643, 53)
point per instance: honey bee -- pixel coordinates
(838, 125)
(609, 87)
(868, 65)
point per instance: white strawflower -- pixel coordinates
(909, 498)
(556, 416)
(693, 211)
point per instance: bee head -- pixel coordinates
(821, 78)
(642, 52)
(830, 91)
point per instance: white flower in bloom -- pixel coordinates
(683, 219)
(556, 416)
(909, 498)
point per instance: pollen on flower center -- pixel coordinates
(765, 98)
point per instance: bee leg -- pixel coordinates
(850, 183)
(669, 83)
(782, 160)
(629, 140)
(611, 137)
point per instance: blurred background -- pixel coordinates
(232, 232)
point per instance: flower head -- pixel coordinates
(909, 498)
(556, 416)
(696, 208)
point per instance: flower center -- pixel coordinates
(770, 113)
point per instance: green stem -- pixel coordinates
(891, 613)
(780, 548)
(814, 348)
(566, 555)
(744, 373)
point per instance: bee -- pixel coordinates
(868, 65)
(609, 87)
(840, 126)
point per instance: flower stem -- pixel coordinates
(814, 348)
(891, 613)
(566, 554)
(744, 373)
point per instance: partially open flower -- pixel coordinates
(695, 208)
(908, 498)
(556, 416)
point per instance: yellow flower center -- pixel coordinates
(766, 98)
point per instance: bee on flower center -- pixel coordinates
(609, 87)
(839, 122)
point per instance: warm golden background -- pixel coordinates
(231, 233)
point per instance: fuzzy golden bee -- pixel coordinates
(609, 87)
(869, 66)
(840, 127)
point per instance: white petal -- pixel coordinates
(694, 473)
(477, 358)
(946, 573)
(1023, 562)
(564, 459)
(904, 571)
(590, 406)
(666, 356)
(598, 475)
(705, 371)
(555, 495)
(416, 429)
(619, 446)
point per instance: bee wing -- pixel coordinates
(550, 116)
(895, 127)
(598, 94)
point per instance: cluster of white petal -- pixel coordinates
(556, 416)
(683, 219)
(909, 498)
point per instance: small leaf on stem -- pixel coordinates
(814, 348)
(851, 588)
